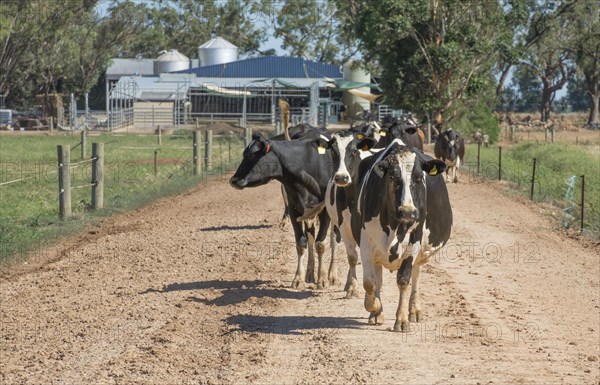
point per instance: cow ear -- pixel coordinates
(410, 130)
(321, 145)
(433, 167)
(381, 167)
(366, 143)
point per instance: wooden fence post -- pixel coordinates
(83, 143)
(533, 178)
(196, 140)
(208, 150)
(159, 133)
(97, 176)
(478, 156)
(155, 162)
(64, 181)
(229, 147)
(500, 163)
(582, 200)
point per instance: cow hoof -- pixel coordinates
(415, 317)
(322, 284)
(376, 319)
(401, 326)
(352, 290)
(298, 284)
(333, 280)
(455, 180)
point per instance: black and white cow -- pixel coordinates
(304, 174)
(450, 147)
(397, 209)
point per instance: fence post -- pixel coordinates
(51, 124)
(552, 134)
(478, 156)
(159, 133)
(229, 148)
(533, 177)
(196, 140)
(499, 162)
(97, 176)
(512, 133)
(208, 150)
(83, 143)
(545, 134)
(155, 160)
(582, 200)
(64, 181)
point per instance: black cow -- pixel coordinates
(304, 173)
(450, 147)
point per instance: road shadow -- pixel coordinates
(233, 292)
(230, 228)
(293, 325)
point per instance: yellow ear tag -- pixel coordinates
(433, 172)
(321, 150)
(382, 133)
(360, 136)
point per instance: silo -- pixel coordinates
(217, 51)
(171, 61)
(356, 104)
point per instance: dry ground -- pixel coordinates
(194, 289)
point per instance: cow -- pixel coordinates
(450, 147)
(304, 174)
(340, 193)
(397, 209)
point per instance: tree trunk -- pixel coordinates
(546, 104)
(593, 118)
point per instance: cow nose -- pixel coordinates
(341, 179)
(408, 213)
(236, 182)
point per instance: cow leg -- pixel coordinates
(372, 280)
(310, 267)
(298, 282)
(322, 279)
(456, 166)
(415, 314)
(351, 287)
(334, 240)
(403, 280)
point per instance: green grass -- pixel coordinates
(29, 208)
(555, 163)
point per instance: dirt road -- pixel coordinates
(194, 289)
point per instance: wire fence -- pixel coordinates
(554, 175)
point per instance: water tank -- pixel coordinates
(170, 61)
(217, 51)
(356, 104)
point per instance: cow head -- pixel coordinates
(258, 165)
(405, 170)
(449, 143)
(346, 147)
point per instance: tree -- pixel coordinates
(586, 49)
(310, 29)
(185, 24)
(434, 55)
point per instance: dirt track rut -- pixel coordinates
(194, 289)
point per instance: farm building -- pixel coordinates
(173, 89)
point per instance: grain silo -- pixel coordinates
(217, 51)
(170, 61)
(356, 104)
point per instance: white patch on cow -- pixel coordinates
(406, 161)
(343, 143)
(324, 138)
(452, 143)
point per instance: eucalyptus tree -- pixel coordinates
(433, 55)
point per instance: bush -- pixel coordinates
(480, 118)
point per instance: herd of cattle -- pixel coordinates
(382, 195)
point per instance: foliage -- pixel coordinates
(481, 118)
(310, 29)
(432, 55)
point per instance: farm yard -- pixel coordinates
(194, 288)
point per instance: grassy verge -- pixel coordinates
(29, 208)
(555, 164)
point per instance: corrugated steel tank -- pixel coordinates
(217, 51)
(170, 61)
(354, 103)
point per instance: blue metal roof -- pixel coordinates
(269, 67)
